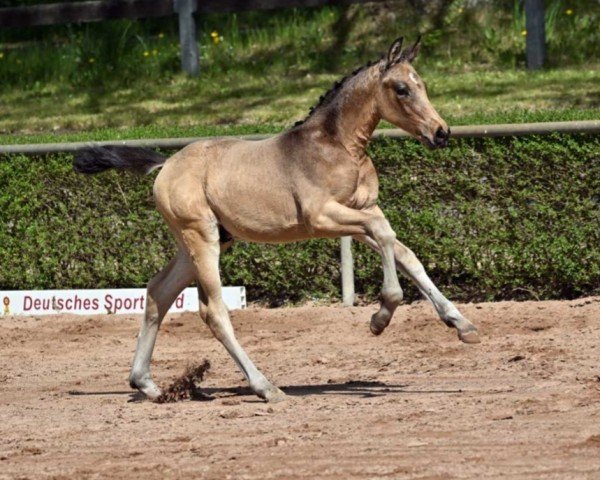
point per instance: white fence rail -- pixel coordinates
(497, 130)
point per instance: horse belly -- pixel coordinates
(262, 212)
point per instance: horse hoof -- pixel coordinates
(152, 394)
(378, 325)
(273, 395)
(376, 330)
(469, 336)
(148, 389)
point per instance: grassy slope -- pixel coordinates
(203, 107)
(122, 80)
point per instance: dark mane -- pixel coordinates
(330, 94)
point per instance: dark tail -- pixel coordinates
(136, 159)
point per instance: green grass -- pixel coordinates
(238, 104)
(140, 132)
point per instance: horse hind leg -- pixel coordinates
(162, 291)
(204, 250)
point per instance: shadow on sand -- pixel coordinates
(363, 389)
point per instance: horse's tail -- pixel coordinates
(97, 159)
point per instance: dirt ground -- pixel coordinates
(412, 403)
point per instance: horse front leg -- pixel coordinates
(338, 219)
(408, 263)
(391, 293)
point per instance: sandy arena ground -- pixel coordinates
(413, 403)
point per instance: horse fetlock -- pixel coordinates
(453, 318)
(467, 332)
(136, 379)
(392, 297)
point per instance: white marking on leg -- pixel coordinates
(205, 256)
(162, 292)
(411, 267)
(391, 293)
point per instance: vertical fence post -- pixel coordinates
(535, 25)
(190, 58)
(347, 271)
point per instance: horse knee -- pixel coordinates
(382, 232)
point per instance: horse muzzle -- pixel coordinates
(438, 140)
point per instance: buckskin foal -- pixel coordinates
(312, 181)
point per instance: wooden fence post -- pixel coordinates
(190, 58)
(347, 271)
(535, 25)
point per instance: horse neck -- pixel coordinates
(352, 115)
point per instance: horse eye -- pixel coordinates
(401, 90)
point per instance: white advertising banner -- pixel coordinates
(107, 301)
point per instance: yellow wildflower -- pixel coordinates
(161, 35)
(568, 11)
(524, 32)
(216, 38)
(1, 55)
(146, 53)
(91, 60)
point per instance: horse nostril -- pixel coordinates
(441, 133)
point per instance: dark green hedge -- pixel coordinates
(489, 218)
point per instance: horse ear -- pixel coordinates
(411, 54)
(395, 51)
